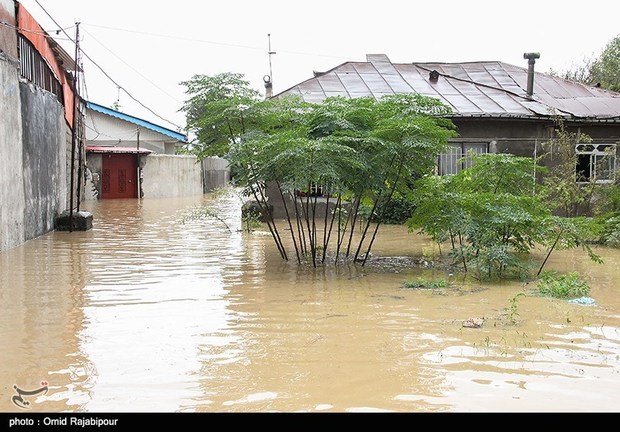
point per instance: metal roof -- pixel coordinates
(473, 89)
(117, 150)
(137, 121)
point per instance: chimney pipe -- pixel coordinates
(531, 61)
(268, 87)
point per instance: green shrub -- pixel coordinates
(425, 283)
(569, 285)
(609, 230)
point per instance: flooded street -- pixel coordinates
(145, 313)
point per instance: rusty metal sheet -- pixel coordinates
(491, 89)
(39, 38)
(376, 83)
(331, 83)
(353, 82)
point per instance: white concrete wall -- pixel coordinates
(216, 173)
(171, 176)
(12, 200)
(105, 130)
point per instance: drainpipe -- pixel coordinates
(531, 61)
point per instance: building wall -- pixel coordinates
(171, 176)
(33, 158)
(44, 141)
(104, 130)
(92, 177)
(12, 200)
(8, 37)
(216, 173)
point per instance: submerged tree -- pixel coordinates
(356, 150)
(493, 216)
(216, 111)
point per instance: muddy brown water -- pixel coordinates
(145, 313)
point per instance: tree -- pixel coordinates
(603, 71)
(360, 150)
(216, 111)
(493, 216)
(606, 69)
(565, 193)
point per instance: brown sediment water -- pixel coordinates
(146, 313)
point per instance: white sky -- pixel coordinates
(210, 37)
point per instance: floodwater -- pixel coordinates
(146, 313)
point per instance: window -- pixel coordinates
(315, 191)
(34, 68)
(596, 163)
(456, 158)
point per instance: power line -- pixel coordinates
(225, 44)
(23, 30)
(106, 74)
(131, 67)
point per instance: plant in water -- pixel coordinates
(426, 283)
(569, 285)
(513, 308)
(203, 213)
(250, 220)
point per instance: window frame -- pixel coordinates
(461, 161)
(596, 152)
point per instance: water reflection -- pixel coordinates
(146, 313)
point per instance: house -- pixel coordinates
(129, 157)
(37, 119)
(497, 107)
(117, 147)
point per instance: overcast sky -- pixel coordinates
(150, 46)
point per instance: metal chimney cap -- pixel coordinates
(531, 56)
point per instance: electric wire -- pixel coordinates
(106, 74)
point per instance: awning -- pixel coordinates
(117, 150)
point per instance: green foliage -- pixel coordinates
(493, 215)
(513, 308)
(217, 111)
(398, 210)
(564, 192)
(426, 283)
(603, 71)
(489, 213)
(362, 150)
(569, 285)
(250, 220)
(205, 212)
(609, 230)
(606, 69)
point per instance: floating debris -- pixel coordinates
(585, 301)
(473, 322)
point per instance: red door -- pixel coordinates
(119, 176)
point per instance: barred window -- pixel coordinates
(596, 163)
(457, 157)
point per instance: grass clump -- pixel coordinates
(426, 283)
(569, 285)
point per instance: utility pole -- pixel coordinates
(139, 185)
(268, 79)
(76, 112)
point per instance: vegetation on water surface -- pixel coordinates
(426, 283)
(563, 286)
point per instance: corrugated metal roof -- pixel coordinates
(485, 89)
(118, 150)
(137, 121)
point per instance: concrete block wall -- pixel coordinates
(171, 176)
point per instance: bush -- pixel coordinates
(569, 285)
(609, 230)
(425, 283)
